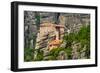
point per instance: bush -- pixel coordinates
(83, 37)
(28, 54)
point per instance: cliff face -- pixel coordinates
(73, 22)
(40, 28)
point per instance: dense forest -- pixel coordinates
(74, 42)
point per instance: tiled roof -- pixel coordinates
(55, 42)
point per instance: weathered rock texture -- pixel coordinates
(36, 36)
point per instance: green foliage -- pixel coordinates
(69, 52)
(82, 37)
(83, 34)
(37, 16)
(28, 54)
(55, 52)
(39, 55)
(69, 39)
(85, 39)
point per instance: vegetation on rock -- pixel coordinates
(83, 49)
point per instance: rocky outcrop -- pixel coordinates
(75, 48)
(36, 36)
(73, 22)
(62, 55)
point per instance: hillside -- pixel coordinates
(56, 36)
